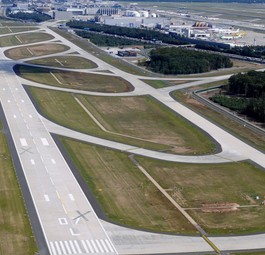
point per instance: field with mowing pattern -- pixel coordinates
(140, 117)
(66, 62)
(198, 185)
(35, 50)
(12, 40)
(124, 193)
(74, 80)
(15, 231)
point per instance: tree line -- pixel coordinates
(245, 93)
(35, 16)
(106, 40)
(138, 33)
(173, 60)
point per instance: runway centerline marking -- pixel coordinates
(53, 161)
(32, 161)
(71, 197)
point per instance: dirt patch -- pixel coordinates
(219, 207)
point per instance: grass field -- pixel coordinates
(124, 193)
(15, 231)
(9, 30)
(35, 50)
(89, 47)
(249, 253)
(12, 40)
(66, 62)
(195, 185)
(141, 117)
(228, 124)
(74, 80)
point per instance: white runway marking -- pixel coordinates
(72, 246)
(58, 248)
(90, 247)
(32, 161)
(8, 101)
(30, 116)
(67, 247)
(77, 247)
(46, 197)
(16, 89)
(94, 245)
(84, 245)
(23, 142)
(63, 221)
(53, 161)
(58, 194)
(71, 197)
(15, 116)
(98, 243)
(62, 247)
(44, 142)
(73, 233)
(109, 245)
(53, 249)
(64, 209)
(22, 101)
(4, 89)
(104, 245)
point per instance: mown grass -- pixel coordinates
(124, 193)
(35, 50)
(94, 50)
(198, 184)
(225, 122)
(16, 236)
(249, 253)
(66, 62)
(12, 40)
(74, 80)
(141, 117)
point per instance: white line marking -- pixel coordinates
(33, 141)
(71, 197)
(77, 247)
(104, 245)
(89, 246)
(53, 249)
(98, 243)
(30, 116)
(84, 245)
(64, 209)
(23, 142)
(8, 101)
(27, 126)
(67, 247)
(73, 233)
(30, 51)
(4, 89)
(44, 142)
(15, 116)
(55, 78)
(22, 101)
(18, 39)
(94, 245)
(63, 221)
(58, 194)
(72, 246)
(46, 169)
(53, 161)
(51, 181)
(16, 89)
(77, 220)
(109, 245)
(62, 246)
(46, 197)
(58, 248)
(32, 161)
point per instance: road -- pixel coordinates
(67, 219)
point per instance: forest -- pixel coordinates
(106, 40)
(36, 16)
(173, 60)
(125, 31)
(245, 94)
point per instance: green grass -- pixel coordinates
(74, 80)
(16, 236)
(89, 47)
(198, 184)
(65, 62)
(35, 50)
(249, 253)
(141, 117)
(12, 40)
(227, 123)
(124, 193)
